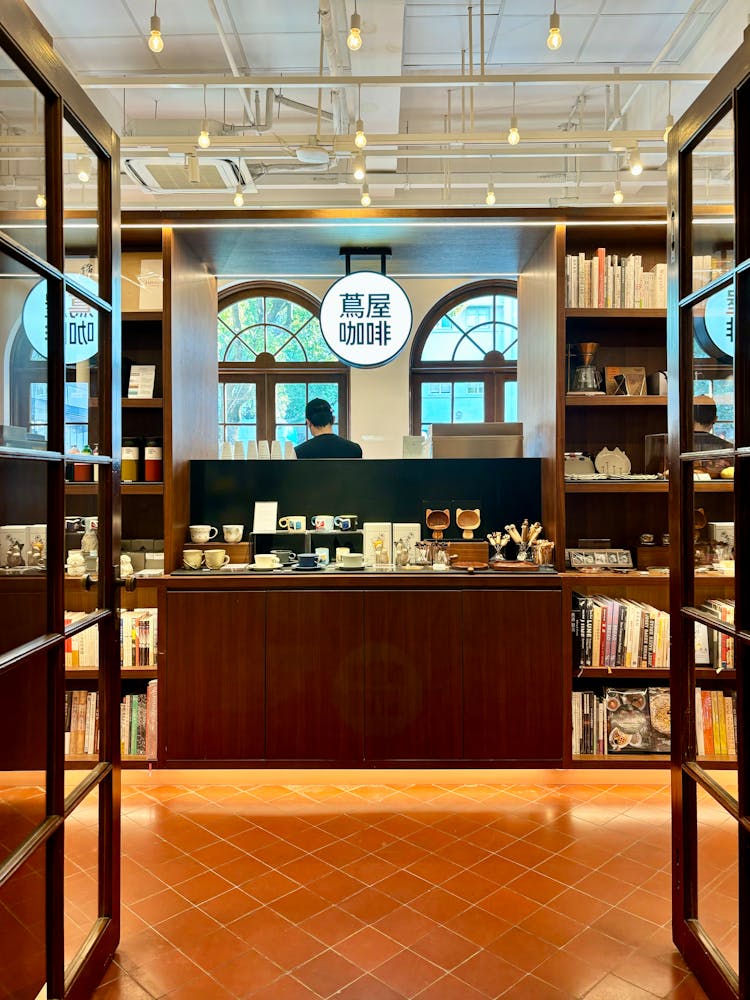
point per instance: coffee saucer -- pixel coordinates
(308, 569)
(263, 569)
(351, 569)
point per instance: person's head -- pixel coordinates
(704, 413)
(319, 415)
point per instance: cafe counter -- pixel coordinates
(361, 669)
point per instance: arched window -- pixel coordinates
(465, 356)
(272, 360)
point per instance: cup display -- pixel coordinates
(342, 551)
(293, 523)
(346, 522)
(352, 560)
(307, 560)
(202, 532)
(285, 556)
(216, 558)
(233, 532)
(323, 554)
(267, 560)
(322, 522)
(192, 558)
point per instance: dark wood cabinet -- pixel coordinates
(513, 694)
(314, 669)
(214, 686)
(412, 645)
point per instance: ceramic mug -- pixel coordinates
(342, 551)
(216, 558)
(202, 533)
(285, 556)
(233, 532)
(293, 523)
(267, 560)
(192, 558)
(346, 522)
(323, 554)
(352, 560)
(322, 522)
(308, 560)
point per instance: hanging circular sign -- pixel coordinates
(81, 322)
(365, 318)
(714, 330)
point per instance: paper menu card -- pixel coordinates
(377, 535)
(265, 514)
(141, 382)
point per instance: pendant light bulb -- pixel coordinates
(358, 167)
(634, 165)
(40, 201)
(554, 38)
(618, 197)
(354, 38)
(365, 199)
(668, 126)
(489, 198)
(360, 139)
(514, 136)
(204, 139)
(83, 168)
(239, 197)
(155, 40)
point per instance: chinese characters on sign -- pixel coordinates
(365, 318)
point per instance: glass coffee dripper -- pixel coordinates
(587, 378)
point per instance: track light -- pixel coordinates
(554, 38)
(83, 169)
(365, 199)
(358, 167)
(41, 200)
(634, 163)
(514, 136)
(204, 139)
(489, 198)
(193, 168)
(354, 38)
(155, 40)
(239, 197)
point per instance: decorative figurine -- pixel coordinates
(36, 556)
(437, 521)
(468, 521)
(400, 554)
(14, 556)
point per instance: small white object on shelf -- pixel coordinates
(276, 450)
(289, 451)
(252, 449)
(263, 450)
(226, 450)
(239, 449)
(612, 462)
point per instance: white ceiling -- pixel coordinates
(571, 130)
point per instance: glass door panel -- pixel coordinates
(81, 207)
(713, 324)
(712, 183)
(290, 400)
(452, 402)
(83, 504)
(81, 887)
(718, 876)
(23, 927)
(238, 411)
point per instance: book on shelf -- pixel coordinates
(614, 633)
(138, 637)
(720, 646)
(621, 721)
(715, 723)
(82, 649)
(138, 714)
(708, 267)
(606, 281)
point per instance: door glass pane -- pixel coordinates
(81, 546)
(718, 881)
(510, 402)
(84, 325)
(290, 400)
(80, 204)
(713, 323)
(712, 165)
(22, 929)
(81, 873)
(23, 777)
(23, 340)
(238, 411)
(24, 216)
(715, 704)
(456, 402)
(23, 551)
(713, 536)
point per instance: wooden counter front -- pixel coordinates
(362, 670)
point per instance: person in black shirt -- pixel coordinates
(324, 443)
(704, 418)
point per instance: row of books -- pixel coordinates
(138, 715)
(611, 632)
(82, 649)
(708, 267)
(621, 721)
(138, 637)
(714, 648)
(715, 723)
(606, 281)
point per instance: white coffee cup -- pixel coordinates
(352, 560)
(202, 533)
(293, 523)
(233, 532)
(341, 551)
(323, 554)
(322, 522)
(266, 560)
(216, 558)
(192, 558)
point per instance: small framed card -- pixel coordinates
(265, 513)
(141, 382)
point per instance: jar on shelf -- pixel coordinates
(131, 457)
(82, 472)
(153, 465)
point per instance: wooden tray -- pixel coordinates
(510, 564)
(476, 551)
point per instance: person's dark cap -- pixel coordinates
(319, 413)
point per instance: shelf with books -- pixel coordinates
(129, 674)
(602, 399)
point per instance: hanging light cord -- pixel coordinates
(155, 3)
(205, 114)
(514, 100)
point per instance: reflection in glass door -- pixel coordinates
(59, 327)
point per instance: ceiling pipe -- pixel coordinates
(307, 109)
(230, 57)
(264, 126)
(337, 68)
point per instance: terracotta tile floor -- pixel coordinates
(379, 892)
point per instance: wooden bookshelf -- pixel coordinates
(580, 399)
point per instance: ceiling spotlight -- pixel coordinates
(155, 40)
(360, 139)
(354, 38)
(365, 199)
(193, 168)
(40, 201)
(204, 139)
(239, 197)
(489, 198)
(514, 136)
(554, 38)
(83, 169)
(634, 163)
(358, 167)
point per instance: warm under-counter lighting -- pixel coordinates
(41, 200)
(554, 38)
(365, 199)
(155, 39)
(354, 38)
